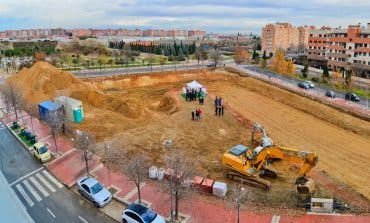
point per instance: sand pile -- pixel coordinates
(45, 82)
(169, 104)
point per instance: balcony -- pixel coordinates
(339, 55)
(360, 66)
(339, 39)
(362, 50)
(333, 47)
(333, 63)
(315, 57)
(361, 40)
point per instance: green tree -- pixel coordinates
(305, 71)
(264, 55)
(181, 56)
(348, 79)
(325, 73)
(256, 56)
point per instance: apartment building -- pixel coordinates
(44, 33)
(341, 49)
(283, 35)
(196, 33)
(318, 42)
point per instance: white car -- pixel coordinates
(94, 191)
(138, 213)
(310, 84)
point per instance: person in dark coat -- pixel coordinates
(216, 103)
(196, 114)
(222, 109)
(192, 115)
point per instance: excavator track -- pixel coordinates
(251, 180)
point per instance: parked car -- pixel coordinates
(94, 191)
(330, 94)
(138, 213)
(41, 152)
(303, 85)
(352, 97)
(211, 65)
(310, 84)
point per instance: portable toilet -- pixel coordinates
(77, 115)
(47, 106)
(72, 107)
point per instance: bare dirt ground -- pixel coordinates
(139, 112)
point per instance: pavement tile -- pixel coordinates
(70, 167)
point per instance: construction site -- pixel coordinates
(140, 112)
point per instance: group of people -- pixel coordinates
(195, 115)
(193, 94)
(219, 107)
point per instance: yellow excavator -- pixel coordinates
(248, 165)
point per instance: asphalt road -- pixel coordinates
(319, 89)
(132, 70)
(45, 199)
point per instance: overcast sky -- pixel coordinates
(220, 16)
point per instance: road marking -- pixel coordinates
(55, 181)
(41, 189)
(33, 192)
(51, 213)
(82, 219)
(25, 176)
(47, 184)
(275, 219)
(25, 195)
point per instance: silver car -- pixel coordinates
(138, 213)
(94, 191)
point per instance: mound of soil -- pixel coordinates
(45, 82)
(169, 104)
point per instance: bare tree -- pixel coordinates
(198, 54)
(239, 195)
(136, 170)
(86, 143)
(113, 157)
(12, 97)
(215, 56)
(181, 171)
(55, 120)
(31, 112)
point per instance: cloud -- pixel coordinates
(211, 15)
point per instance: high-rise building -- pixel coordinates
(283, 35)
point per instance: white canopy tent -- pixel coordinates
(194, 85)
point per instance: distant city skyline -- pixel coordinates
(217, 16)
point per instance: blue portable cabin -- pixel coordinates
(47, 106)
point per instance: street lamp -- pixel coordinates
(168, 144)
